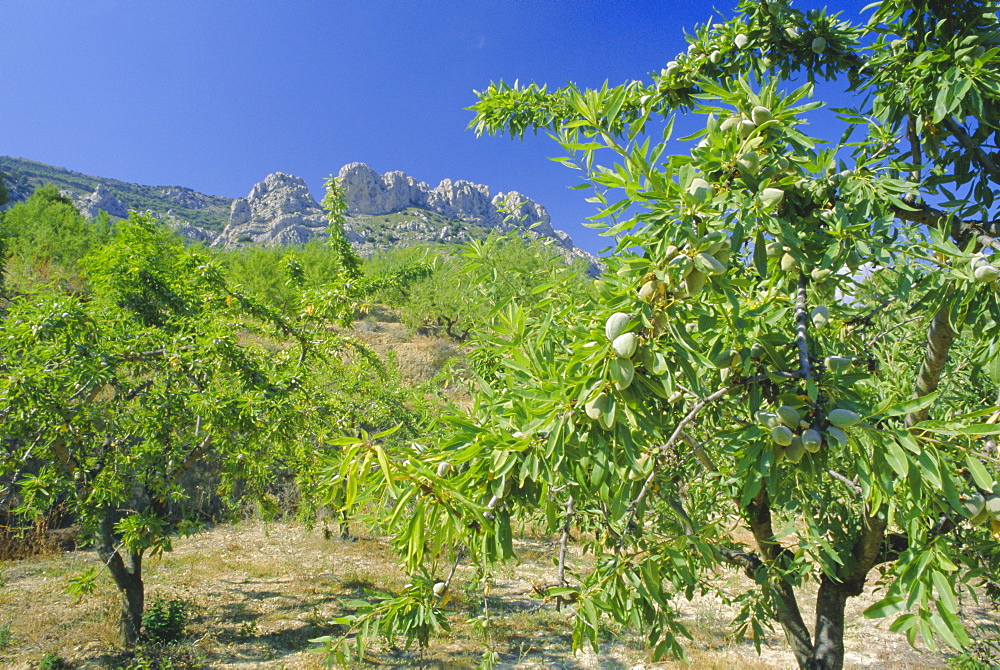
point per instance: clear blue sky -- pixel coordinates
(215, 95)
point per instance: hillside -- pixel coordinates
(197, 209)
(384, 211)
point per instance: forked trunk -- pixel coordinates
(824, 650)
(126, 569)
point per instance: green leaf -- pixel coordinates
(885, 607)
(979, 472)
(946, 597)
(911, 406)
(897, 459)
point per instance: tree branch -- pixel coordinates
(940, 337)
(972, 146)
(786, 605)
(802, 327)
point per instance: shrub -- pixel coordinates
(164, 621)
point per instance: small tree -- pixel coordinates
(110, 404)
(774, 343)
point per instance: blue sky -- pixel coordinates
(215, 95)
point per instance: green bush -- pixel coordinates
(164, 621)
(52, 661)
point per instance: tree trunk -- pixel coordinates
(126, 569)
(828, 649)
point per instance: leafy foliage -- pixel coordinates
(790, 337)
(164, 621)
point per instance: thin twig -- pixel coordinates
(845, 481)
(695, 410)
(563, 544)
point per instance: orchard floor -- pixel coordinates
(262, 591)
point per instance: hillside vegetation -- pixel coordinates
(779, 401)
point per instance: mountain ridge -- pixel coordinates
(384, 210)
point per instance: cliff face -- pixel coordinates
(368, 192)
(279, 210)
(384, 210)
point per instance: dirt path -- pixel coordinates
(262, 591)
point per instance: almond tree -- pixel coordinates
(162, 384)
(774, 345)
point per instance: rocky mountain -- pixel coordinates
(384, 210)
(182, 205)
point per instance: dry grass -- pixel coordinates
(262, 591)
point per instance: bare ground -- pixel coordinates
(262, 591)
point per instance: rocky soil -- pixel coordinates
(262, 591)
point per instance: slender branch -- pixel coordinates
(451, 574)
(916, 158)
(972, 146)
(695, 410)
(564, 540)
(802, 326)
(878, 337)
(845, 481)
(195, 454)
(699, 451)
(563, 545)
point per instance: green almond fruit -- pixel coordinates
(700, 190)
(775, 250)
(767, 419)
(973, 504)
(722, 255)
(694, 283)
(789, 263)
(980, 518)
(796, 450)
(812, 440)
(838, 364)
(622, 373)
(443, 468)
(760, 115)
(843, 418)
(782, 435)
(978, 260)
(729, 358)
(729, 123)
(740, 41)
(993, 506)
(746, 128)
(684, 265)
(748, 163)
(625, 344)
(596, 406)
(615, 325)
(670, 253)
(789, 416)
(771, 197)
(652, 290)
(818, 45)
(711, 242)
(836, 437)
(820, 316)
(854, 260)
(986, 273)
(607, 418)
(820, 275)
(709, 264)
(715, 57)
